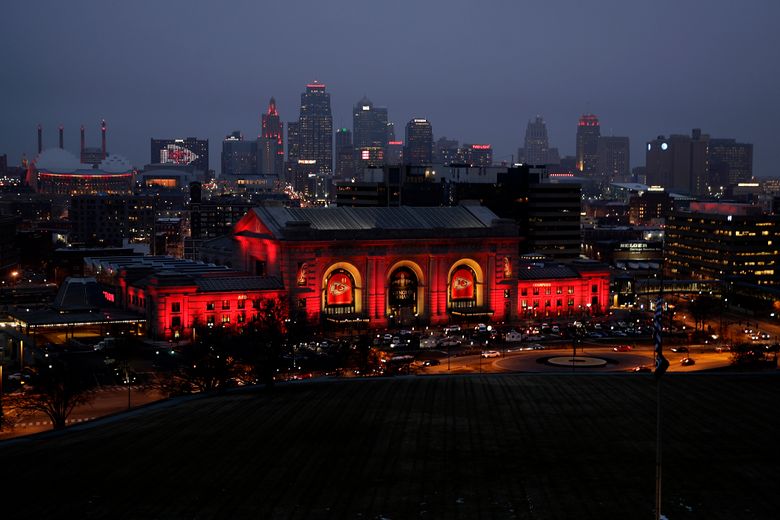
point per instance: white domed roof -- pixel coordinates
(115, 164)
(57, 160)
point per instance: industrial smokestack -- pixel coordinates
(103, 132)
(83, 143)
(62, 137)
(40, 138)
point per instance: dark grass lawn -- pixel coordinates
(494, 446)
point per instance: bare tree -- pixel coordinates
(264, 339)
(56, 388)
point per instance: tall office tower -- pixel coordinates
(272, 129)
(419, 142)
(390, 131)
(239, 157)
(445, 151)
(537, 146)
(181, 151)
(345, 165)
(614, 160)
(293, 141)
(316, 128)
(394, 154)
(369, 125)
(730, 162)
(678, 163)
(369, 129)
(293, 151)
(588, 132)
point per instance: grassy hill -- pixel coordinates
(493, 446)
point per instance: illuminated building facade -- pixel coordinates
(345, 154)
(316, 128)
(181, 151)
(550, 291)
(395, 266)
(678, 163)
(479, 155)
(370, 132)
(723, 241)
(109, 220)
(175, 295)
(730, 162)
(588, 132)
(614, 158)
(239, 157)
(58, 172)
(537, 144)
(273, 132)
(649, 207)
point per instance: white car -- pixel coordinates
(491, 353)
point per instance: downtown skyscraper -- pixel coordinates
(537, 145)
(370, 132)
(272, 141)
(419, 142)
(588, 132)
(316, 129)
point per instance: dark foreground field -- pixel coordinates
(497, 446)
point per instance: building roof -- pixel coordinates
(545, 272)
(79, 294)
(470, 220)
(238, 283)
(58, 160)
(113, 264)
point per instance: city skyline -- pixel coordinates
(161, 84)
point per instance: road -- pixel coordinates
(107, 401)
(528, 361)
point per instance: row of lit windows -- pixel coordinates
(547, 303)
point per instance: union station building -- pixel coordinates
(353, 268)
(380, 267)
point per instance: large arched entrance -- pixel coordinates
(403, 295)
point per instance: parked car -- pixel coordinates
(622, 348)
(513, 335)
(687, 361)
(491, 353)
(18, 376)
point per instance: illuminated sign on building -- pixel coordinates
(462, 287)
(403, 288)
(340, 289)
(633, 246)
(177, 154)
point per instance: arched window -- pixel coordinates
(463, 288)
(339, 293)
(403, 289)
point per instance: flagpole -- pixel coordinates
(658, 450)
(661, 364)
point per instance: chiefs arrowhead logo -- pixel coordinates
(461, 283)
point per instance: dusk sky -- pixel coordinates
(477, 70)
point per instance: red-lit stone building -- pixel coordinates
(174, 295)
(548, 291)
(403, 266)
(348, 268)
